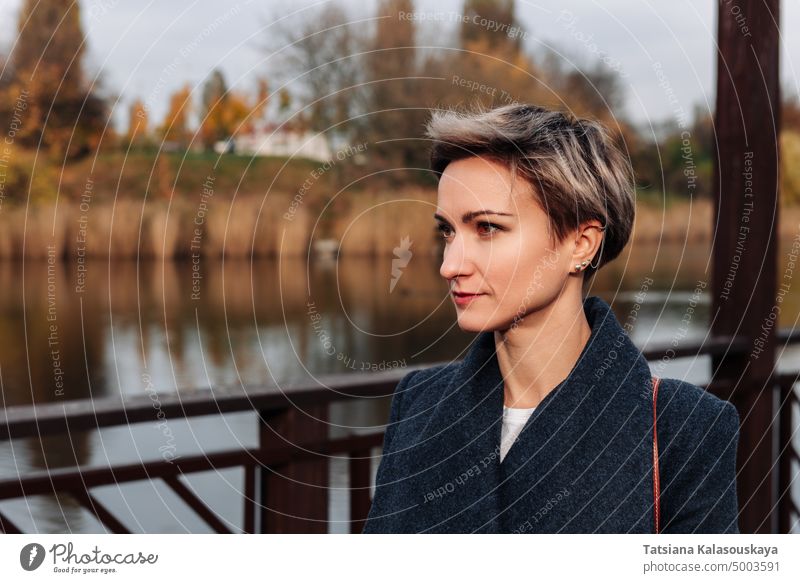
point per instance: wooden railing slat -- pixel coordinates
(100, 511)
(66, 479)
(8, 527)
(200, 507)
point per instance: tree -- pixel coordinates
(321, 57)
(226, 113)
(492, 24)
(790, 111)
(396, 106)
(790, 169)
(65, 113)
(138, 121)
(175, 127)
(214, 102)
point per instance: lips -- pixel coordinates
(464, 299)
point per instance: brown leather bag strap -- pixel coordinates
(656, 482)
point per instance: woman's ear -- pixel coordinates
(588, 240)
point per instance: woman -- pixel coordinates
(547, 425)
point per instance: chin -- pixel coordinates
(469, 323)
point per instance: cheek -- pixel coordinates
(528, 277)
(504, 264)
(510, 276)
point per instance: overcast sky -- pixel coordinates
(664, 50)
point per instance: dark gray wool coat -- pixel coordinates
(583, 463)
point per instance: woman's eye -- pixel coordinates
(484, 229)
(444, 230)
(494, 228)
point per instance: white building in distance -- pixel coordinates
(273, 140)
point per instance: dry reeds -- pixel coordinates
(376, 224)
(363, 224)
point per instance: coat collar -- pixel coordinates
(604, 399)
(608, 363)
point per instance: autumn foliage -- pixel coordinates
(65, 116)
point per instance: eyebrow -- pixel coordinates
(467, 217)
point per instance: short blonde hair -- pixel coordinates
(576, 171)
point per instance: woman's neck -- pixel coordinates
(539, 353)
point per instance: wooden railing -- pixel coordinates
(286, 476)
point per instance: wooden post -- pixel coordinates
(294, 496)
(360, 482)
(745, 190)
(785, 504)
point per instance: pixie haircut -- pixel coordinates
(575, 170)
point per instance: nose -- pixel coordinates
(455, 262)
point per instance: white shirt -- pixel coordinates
(513, 421)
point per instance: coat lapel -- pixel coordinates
(582, 463)
(457, 449)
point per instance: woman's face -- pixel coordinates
(497, 245)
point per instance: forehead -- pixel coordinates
(477, 183)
